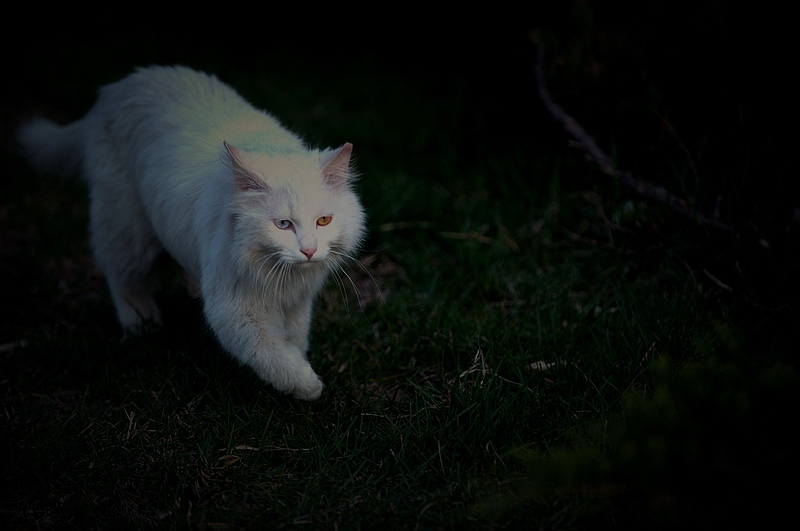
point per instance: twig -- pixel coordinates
(717, 281)
(388, 227)
(747, 299)
(590, 147)
(596, 243)
(466, 236)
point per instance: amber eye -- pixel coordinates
(324, 220)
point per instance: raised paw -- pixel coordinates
(309, 387)
(288, 372)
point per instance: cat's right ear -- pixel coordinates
(246, 179)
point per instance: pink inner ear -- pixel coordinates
(245, 178)
(335, 170)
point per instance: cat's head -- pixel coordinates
(296, 207)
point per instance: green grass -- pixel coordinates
(665, 398)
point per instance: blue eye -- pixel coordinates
(283, 224)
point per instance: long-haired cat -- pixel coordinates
(176, 160)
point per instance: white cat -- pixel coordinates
(176, 160)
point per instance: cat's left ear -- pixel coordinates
(245, 178)
(335, 168)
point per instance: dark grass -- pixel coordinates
(493, 249)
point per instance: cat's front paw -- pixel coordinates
(310, 387)
(289, 372)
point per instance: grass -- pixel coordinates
(529, 346)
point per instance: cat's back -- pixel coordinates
(191, 113)
(172, 93)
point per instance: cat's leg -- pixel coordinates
(258, 337)
(298, 324)
(125, 247)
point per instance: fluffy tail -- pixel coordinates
(52, 148)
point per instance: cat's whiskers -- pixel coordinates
(280, 280)
(272, 277)
(355, 288)
(338, 270)
(363, 268)
(281, 276)
(337, 278)
(261, 262)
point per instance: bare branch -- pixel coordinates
(590, 147)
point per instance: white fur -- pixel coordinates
(177, 160)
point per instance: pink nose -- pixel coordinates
(309, 252)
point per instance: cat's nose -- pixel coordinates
(309, 252)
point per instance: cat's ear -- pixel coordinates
(246, 179)
(335, 167)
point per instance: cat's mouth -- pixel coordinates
(307, 263)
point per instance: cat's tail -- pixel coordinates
(53, 148)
